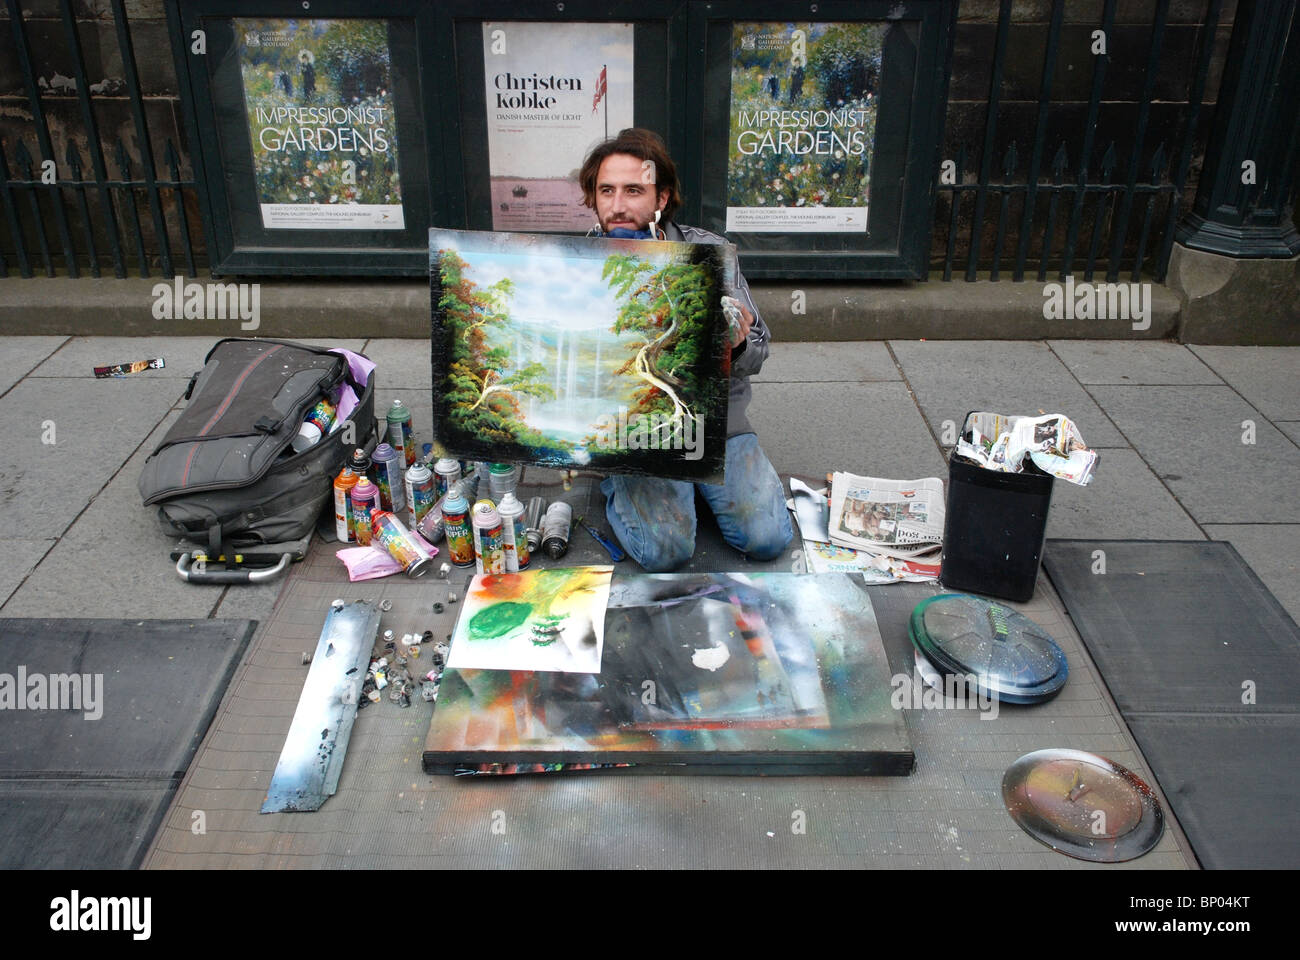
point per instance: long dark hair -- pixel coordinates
(644, 145)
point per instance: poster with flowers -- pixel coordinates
(803, 122)
(320, 118)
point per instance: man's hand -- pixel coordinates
(739, 318)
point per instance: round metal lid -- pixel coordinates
(1083, 805)
(1011, 657)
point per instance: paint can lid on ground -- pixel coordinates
(1011, 657)
(1083, 805)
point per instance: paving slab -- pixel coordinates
(19, 559)
(952, 378)
(828, 361)
(1125, 500)
(24, 353)
(1192, 439)
(1132, 362)
(872, 429)
(1273, 551)
(401, 363)
(96, 425)
(114, 561)
(183, 355)
(1266, 376)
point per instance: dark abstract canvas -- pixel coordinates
(701, 673)
(611, 355)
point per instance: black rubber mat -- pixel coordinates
(100, 721)
(1204, 665)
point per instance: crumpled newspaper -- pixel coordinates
(1051, 442)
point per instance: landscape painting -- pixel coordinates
(570, 352)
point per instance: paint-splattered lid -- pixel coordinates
(1013, 658)
(1083, 805)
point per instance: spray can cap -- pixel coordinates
(510, 505)
(384, 452)
(455, 502)
(485, 513)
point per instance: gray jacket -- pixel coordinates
(747, 359)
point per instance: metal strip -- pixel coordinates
(312, 758)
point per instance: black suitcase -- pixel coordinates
(225, 475)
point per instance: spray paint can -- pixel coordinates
(533, 523)
(359, 463)
(388, 478)
(308, 436)
(514, 533)
(555, 529)
(343, 485)
(489, 539)
(419, 493)
(455, 521)
(322, 415)
(390, 533)
(399, 431)
(446, 472)
(502, 478)
(365, 501)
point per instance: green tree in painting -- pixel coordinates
(668, 306)
(482, 387)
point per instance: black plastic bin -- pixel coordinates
(994, 528)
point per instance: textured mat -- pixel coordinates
(100, 721)
(388, 813)
(1204, 665)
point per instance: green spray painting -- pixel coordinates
(550, 620)
(610, 355)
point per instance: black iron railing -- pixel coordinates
(26, 178)
(1150, 186)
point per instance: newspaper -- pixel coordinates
(896, 518)
(1052, 443)
(828, 558)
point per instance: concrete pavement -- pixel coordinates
(1197, 442)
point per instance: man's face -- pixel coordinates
(625, 193)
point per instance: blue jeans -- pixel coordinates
(654, 518)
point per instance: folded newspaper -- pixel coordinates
(1052, 443)
(897, 518)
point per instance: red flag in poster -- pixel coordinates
(600, 90)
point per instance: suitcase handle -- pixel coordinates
(186, 572)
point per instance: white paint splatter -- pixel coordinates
(711, 658)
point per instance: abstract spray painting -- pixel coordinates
(548, 620)
(701, 673)
(573, 352)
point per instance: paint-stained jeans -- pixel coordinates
(654, 518)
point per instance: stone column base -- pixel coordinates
(1230, 301)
